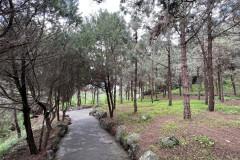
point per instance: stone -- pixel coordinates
(149, 155)
(145, 117)
(92, 112)
(133, 138)
(103, 123)
(98, 105)
(133, 150)
(63, 131)
(50, 154)
(110, 125)
(170, 141)
(54, 146)
(69, 120)
(59, 124)
(101, 115)
(119, 132)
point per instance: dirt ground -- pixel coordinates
(215, 125)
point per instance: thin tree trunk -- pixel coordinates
(135, 88)
(121, 92)
(199, 84)
(187, 110)
(97, 96)
(16, 122)
(233, 84)
(131, 90)
(180, 85)
(108, 99)
(85, 97)
(216, 85)
(152, 87)
(169, 77)
(219, 84)
(79, 97)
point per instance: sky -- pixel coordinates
(88, 7)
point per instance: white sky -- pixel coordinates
(88, 7)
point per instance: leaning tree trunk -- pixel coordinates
(135, 88)
(210, 65)
(187, 110)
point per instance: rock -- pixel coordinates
(69, 120)
(110, 125)
(133, 138)
(101, 115)
(98, 105)
(103, 124)
(145, 117)
(92, 112)
(50, 154)
(59, 124)
(119, 132)
(63, 131)
(133, 150)
(54, 146)
(123, 141)
(170, 141)
(149, 155)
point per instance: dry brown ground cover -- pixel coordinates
(219, 131)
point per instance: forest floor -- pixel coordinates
(20, 150)
(208, 135)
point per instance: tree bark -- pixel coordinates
(219, 84)
(180, 85)
(169, 77)
(121, 92)
(187, 110)
(16, 122)
(233, 84)
(199, 84)
(210, 65)
(79, 97)
(85, 97)
(135, 88)
(131, 90)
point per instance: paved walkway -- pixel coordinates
(86, 140)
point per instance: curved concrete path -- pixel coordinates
(86, 140)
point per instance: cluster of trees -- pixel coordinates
(49, 53)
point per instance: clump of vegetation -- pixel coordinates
(204, 141)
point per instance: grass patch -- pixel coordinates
(4, 148)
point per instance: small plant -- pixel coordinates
(204, 141)
(124, 137)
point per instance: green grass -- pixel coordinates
(227, 89)
(4, 147)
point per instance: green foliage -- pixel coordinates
(204, 141)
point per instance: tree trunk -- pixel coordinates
(187, 110)
(199, 84)
(79, 97)
(97, 96)
(180, 85)
(219, 84)
(152, 87)
(121, 92)
(16, 122)
(131, 90)
(210, 65)
(85, 97)
(233, 84)
(216, 85)
(135, 88)
(115, 93)
(169, 77)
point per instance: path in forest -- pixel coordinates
(86, 140)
